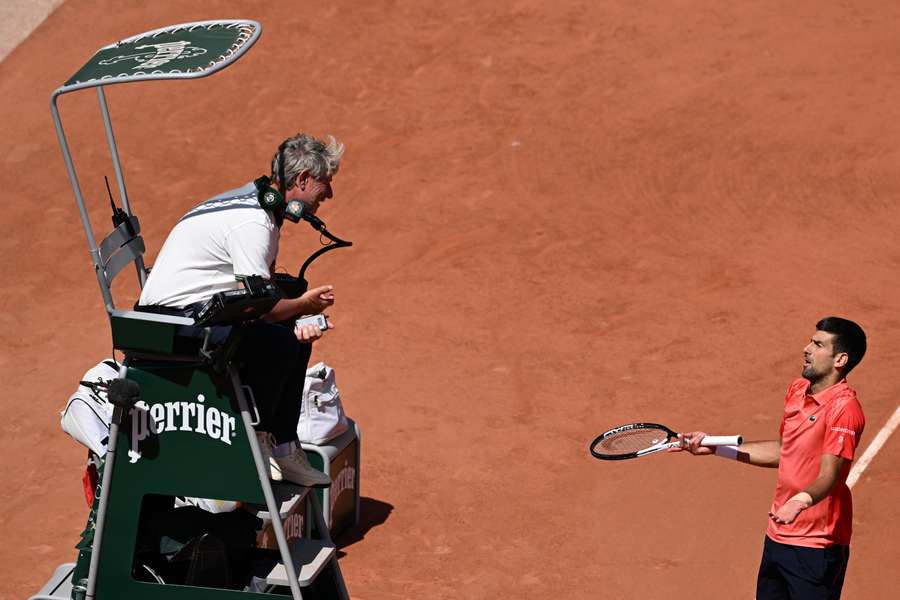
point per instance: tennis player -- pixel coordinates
(807, 542)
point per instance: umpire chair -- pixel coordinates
(183, 424)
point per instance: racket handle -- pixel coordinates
(722, 440)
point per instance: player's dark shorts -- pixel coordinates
(801, 573)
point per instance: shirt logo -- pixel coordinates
(844, 430)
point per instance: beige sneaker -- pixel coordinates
(266, 445)
(296, 468)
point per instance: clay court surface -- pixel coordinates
(566, 216)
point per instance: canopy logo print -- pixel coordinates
(157, 55)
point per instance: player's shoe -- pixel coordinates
(295, 468)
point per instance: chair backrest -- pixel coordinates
(123, 246)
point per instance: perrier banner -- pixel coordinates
(187, 50)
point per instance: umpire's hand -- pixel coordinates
(317, 300)
(310, 333)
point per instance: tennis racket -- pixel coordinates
(640, 439)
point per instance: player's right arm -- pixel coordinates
(763, 453)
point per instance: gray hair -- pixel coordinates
(303, 152)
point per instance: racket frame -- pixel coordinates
(663, 445)
(709, 441)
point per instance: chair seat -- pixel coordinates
(135, 331)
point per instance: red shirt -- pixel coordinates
(830, 422)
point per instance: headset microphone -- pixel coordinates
(271, 199)
(274, 199)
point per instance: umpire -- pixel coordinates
(235, 235)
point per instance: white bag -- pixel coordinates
(322, 416)
(87, 414)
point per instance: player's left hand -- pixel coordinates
(788, 511)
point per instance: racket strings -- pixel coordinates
(632, 440)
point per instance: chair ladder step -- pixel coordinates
(59, 585)
(309, 558)
(286, 494)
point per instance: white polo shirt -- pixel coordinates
(227, 235)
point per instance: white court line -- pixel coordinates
(874, 447)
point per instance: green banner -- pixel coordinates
(190, 48)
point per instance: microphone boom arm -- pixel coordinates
(317, 224)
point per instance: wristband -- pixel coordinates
(804, 498)
(727, 452)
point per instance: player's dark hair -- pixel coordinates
(848, 337)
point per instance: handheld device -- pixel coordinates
(313, 320)
(640, 439)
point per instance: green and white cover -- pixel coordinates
(187, 50)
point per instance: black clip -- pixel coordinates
(123, 393)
